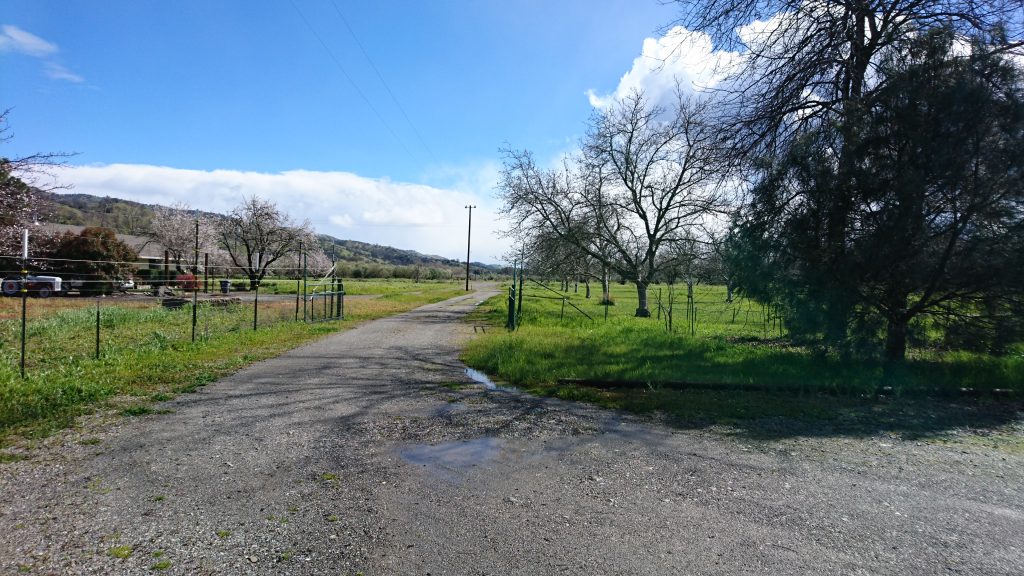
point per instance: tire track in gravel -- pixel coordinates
(346, 456)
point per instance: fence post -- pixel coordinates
(304, 263)
(24, 303)
(519, 306)
(298, 290)
(511, 324)
(671, 304)
(256, 305)
(97, 329)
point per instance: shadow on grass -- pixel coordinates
(772, 416)
(827, 396)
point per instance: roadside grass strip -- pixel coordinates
(737, 372)
(147, 354)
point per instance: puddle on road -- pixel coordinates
(450, 459)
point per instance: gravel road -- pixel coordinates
(349, 456)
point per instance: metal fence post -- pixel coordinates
(24, 306)
(97, 329)
(256, 305)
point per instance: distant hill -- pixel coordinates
(124, 216)
(135, 218)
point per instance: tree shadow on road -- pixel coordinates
(777, 415)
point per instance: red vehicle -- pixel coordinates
(41, 286)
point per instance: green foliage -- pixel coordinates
(909, 208)
(95, 256)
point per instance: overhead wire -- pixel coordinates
(384, 82)
(351, 81)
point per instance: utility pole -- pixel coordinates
(195, 280)
(469, 235)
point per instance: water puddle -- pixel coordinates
(450, 459)
(482, 378)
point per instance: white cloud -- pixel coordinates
(341, 220)
(58, 72)
(14, 39)
(428, 219)
(680, 56)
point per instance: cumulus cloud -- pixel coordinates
(682, 57)
(14, 39)
(411, 216)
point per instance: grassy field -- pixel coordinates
(353, 287)
(729, 344)
(146, 351)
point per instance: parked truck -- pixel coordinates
(41, 286)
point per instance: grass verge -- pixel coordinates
(826, 395)
(148, 354)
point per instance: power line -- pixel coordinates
(384, 82)
(341, 68)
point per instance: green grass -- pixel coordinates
(121, 552)
(730, 344)
(146, 352)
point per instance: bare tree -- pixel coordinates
(22, 182)
(256, 234)
(663, 179)
(174, 228)
(805, 62)
(645, 176)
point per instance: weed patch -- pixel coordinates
(121, 552)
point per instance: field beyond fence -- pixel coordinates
(146, 351)
(711, 341)
(727, 366)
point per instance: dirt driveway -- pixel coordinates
(350, 456)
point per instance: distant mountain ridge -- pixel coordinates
(135, 218)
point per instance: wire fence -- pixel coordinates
(682, 309)
(46, 320)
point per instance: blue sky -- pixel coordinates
(203, 102)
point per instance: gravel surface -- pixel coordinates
(350, 455)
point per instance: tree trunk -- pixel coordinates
(896, 339)
(728, 291)
(641, 294)
(586, 285)
(606, 291)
